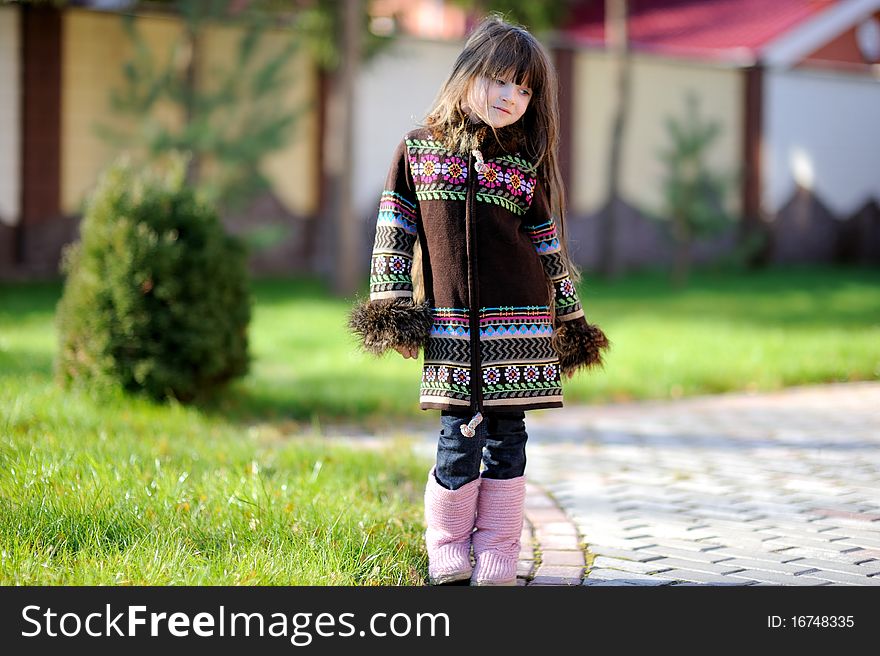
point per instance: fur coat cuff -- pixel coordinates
(579, 345)
(383, 324)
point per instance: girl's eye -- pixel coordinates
(525, 92)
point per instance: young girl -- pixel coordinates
(470, 263)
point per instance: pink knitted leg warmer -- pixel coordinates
(499, 525)
(449, 518)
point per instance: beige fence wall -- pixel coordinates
(659, 88)
(93, 50)
(10, 116)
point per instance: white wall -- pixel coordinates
(394, 92)
(10, 116)
(822, 129)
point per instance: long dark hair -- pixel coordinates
(497, 48)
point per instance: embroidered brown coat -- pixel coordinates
(489, 246)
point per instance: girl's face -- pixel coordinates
(498, 101)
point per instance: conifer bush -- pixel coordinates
(156, 294)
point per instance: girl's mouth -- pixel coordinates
(501, 109)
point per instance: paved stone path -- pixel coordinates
(768, 489)
(737, 489)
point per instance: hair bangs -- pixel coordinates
(516, 58)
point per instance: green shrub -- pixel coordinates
(156, 297)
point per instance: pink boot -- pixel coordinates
(449, 517)
(499, 525)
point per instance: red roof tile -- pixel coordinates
(717, 29)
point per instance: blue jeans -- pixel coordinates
(499, 443)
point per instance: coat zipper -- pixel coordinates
(473, 291)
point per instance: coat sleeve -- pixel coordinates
(541, 227)
(389, 317)
(396, 233)
(578, 343)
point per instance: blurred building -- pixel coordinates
(794, 85)
(58, 68)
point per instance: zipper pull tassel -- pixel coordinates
(468, 430)
(478, 166)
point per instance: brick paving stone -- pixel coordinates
(822, 554)
(615, 539)
(709, 546)
(617, 552)
(803, 529)
(684, 554)
(651, 507)
(743, 533)
(603, 562)
(746, 541)
(702, 534)
(717, 513)
(844, 577)
(793, 567)
(524, 568)
(541, 517)
(871, 568)
(608, 583)
(602, 576)
(778, 578)
(570, 558)
(850, 532)
(565, 571)
(695, 576)
(769, 556)
(707, 568)
(859, 555)
(859, 542)
(612, 540)
(853, 519)
(561, 529)
(805, 542)
(734, 528)
(691, 584)
(670, 525)
(559, 542)
(554, 580)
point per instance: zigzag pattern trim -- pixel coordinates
(553, 266)
(440, 350)
(521, 350)
(393, 239)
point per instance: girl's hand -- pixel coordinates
(407, 351)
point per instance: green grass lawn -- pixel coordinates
(114, 490)
(242, 488)
(724, 332)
